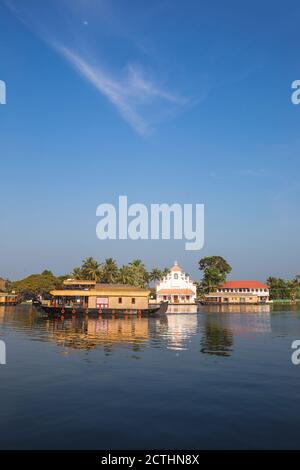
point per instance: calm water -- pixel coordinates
(206, 380)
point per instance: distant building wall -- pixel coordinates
(238, 292)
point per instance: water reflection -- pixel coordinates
(235, 308)
(215, 326)
(217, 338)
(219, 330)
(87, 333)
(81, 378)
(183, 309)
(177, 330)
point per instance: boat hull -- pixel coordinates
(58, 311)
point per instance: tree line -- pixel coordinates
(215, 270)
(107, 272)
(284, 289)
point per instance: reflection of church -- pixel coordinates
(180, 330)
(175, 332)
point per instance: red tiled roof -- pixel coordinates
(243, 285)
(175, 292)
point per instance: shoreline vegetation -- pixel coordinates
(215, 270)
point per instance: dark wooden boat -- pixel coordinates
(58, 311)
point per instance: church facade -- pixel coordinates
(176, 287)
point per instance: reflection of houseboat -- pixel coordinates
(8, 299)
(176, 287)
(90, 332)
(239, 292)
(80, 296)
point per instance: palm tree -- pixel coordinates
(91, 269)
(140, 276)
(125, 275)
(155, 275)
(77, 273)
(110, 271)
(165, 272)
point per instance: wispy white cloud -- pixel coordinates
(135, 93)
(128, 95)
(111, 88)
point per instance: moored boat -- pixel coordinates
(64, 310)
(79, 297)
(8, 299)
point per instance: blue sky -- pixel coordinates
(163, 101)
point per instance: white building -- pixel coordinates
(176, 287)
(240, 292)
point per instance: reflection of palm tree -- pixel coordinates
(217, 340)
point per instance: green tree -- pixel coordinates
(165, 272)
(91, 269)
(8, 286)
(47, 272)
(279, 288)
(215, 270)
(125, 275)
(109, 271)
(77, 273)
(140, 276)
(35, 284)
(155, 275)
(294, 288)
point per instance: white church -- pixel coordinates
(176, 288)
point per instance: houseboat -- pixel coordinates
(239, 292)
(84, 297)
(8, 299)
